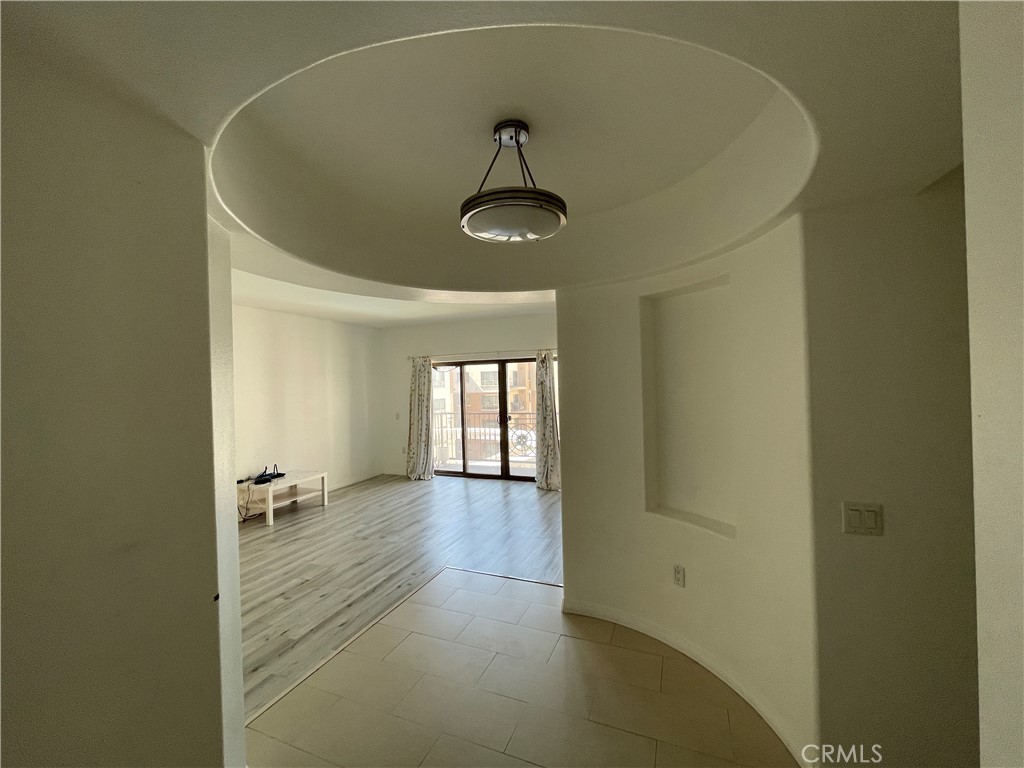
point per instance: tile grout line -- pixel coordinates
(306, 725)
(512, 735)
(495, 656)
(434, 744)
(298, 749)
(732, 736)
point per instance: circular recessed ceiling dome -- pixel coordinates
(664, 151)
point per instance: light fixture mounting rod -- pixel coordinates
(510, 133)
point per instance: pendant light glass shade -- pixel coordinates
(512, 214)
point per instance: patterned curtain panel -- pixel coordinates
(420, 464)
(549, 460)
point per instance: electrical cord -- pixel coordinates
(263, 478)
(250, 493)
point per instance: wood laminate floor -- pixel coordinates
(321, 574)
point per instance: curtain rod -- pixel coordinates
(484, 355)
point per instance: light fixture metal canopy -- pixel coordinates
(512, 214)
(505, 133)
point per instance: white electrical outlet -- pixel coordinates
(863, 519)
(679, 576)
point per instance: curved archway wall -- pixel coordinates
(747, 611)
(763, 397)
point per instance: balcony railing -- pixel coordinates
(483, 439)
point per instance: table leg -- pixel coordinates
(270, 503)
(323, 491)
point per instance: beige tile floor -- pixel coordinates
(475, 670)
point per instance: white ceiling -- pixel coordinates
(614, 116)
(359, 163)
(262, 276)
(252, 290)
(627, 102)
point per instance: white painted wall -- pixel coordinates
(992, 71)
(864, 368)
(471, 338)
(747, 611)
(110, 551)
(304, 395)
(890, 423)
(229, 586)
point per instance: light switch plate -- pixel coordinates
(863, 518)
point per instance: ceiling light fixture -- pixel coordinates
(512, 214)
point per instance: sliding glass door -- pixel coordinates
(484, 419)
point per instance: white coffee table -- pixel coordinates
(293, 487)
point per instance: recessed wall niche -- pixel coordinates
(689, 354)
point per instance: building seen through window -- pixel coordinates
(475, 431)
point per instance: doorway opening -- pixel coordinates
(484, 419)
